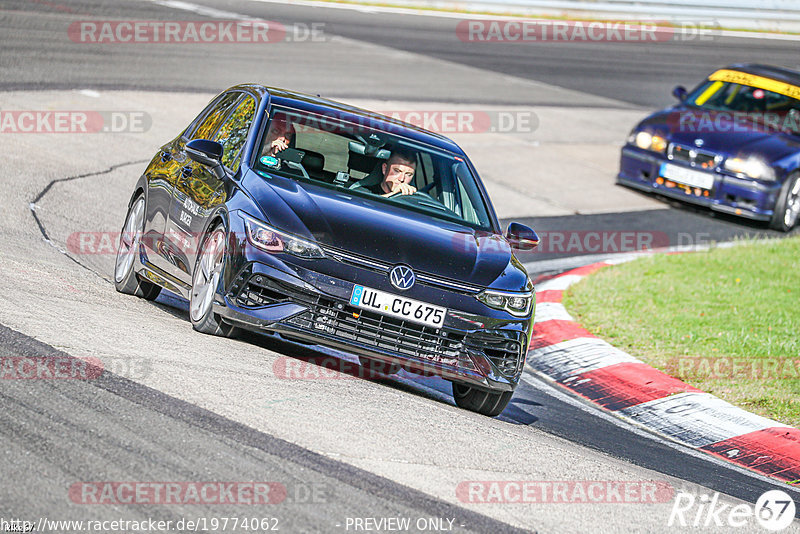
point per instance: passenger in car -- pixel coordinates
(392, 177)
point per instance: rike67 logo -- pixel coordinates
(773, 511)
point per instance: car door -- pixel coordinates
(159, 182)
(178, 239)
(199, 191)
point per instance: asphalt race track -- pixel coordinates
(176, 406)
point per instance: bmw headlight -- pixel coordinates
(648, 141)
(752, 166)
(518, 304)
(270, 239)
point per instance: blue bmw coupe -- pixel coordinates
(326, 224)
(731, 144)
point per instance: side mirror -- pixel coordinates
(522, 237)
(680, 92)
(208, 153)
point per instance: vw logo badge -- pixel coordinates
(698, 142)
(402, 277)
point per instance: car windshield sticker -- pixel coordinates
(269, 161)
(708, 93)
(760, 82)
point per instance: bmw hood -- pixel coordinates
(385, 232)
(720, 132)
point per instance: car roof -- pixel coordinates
(318, 104)
(781, 74)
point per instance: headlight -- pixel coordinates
(752, 167)
(518, 304)
(270, 239)
(648, 141)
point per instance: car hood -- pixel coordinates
(720, 133)
(385, 232)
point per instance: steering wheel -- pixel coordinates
(421, 199)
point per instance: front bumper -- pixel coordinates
(267, 294)
(744, 198)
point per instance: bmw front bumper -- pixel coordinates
(755, 200)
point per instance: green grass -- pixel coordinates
(726, 321)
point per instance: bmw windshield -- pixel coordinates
(744, 96)
(371, 163)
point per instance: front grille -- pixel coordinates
(353, 324)
(694, 157)
(504, 350)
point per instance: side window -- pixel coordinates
(208, 125)
(233, 132)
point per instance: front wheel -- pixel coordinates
(483, 401)
(125, 280)
(787, 208)
(205, 280)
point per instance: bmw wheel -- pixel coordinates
(787, 209)
(205, 280)
(483, 401)
(125, 279)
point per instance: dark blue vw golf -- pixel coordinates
(732, 144)
(323, 223)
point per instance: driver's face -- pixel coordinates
(397, 171)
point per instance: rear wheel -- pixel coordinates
(125, 280)
(483, 401)
(787, 208)
(205, 280)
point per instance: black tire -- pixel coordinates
(380, 367)
(125, 279)
(787, 208)
(482, 401)
(201, 313)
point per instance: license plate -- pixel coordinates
(404, 308)
(686, 176)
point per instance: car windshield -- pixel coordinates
(330, 152)
(729, 96)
